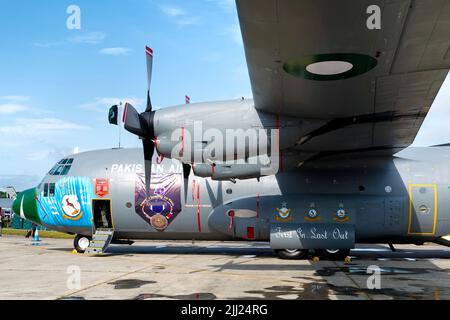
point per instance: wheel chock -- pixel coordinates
(316, 259)
(74, 251)
(347, 259)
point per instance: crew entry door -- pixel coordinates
(102, 215)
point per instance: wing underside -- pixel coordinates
(370, 88)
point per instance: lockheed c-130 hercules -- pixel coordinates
(339, 104)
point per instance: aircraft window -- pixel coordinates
(61, 168)
(45, 189)
(65, 170)
(51, 190)
(52, 171)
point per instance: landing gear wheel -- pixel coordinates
(334, 254)
(81, 243)
(292, 253)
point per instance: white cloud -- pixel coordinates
(32, 127)
(172, 11)
(178, 15)
(48, 44)
(13, 104)
(103, 104)
(89, 38)
(11, 108)
(117, 51)
(15, 98)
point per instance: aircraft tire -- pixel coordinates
(334, 254)
(292, 254)
(79, 243)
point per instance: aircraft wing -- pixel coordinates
(318, 59)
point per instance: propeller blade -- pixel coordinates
(186, 173)
(149, 149)
(133, 121)
(149, 54)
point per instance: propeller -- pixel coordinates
(142, 124)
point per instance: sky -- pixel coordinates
(57, 84)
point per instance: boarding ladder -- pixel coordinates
(100, 241)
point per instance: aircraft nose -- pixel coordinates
(25, 205)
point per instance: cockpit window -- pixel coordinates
(49, 189)
(65, 170)
(62, 168)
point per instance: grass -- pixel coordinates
(42, 233)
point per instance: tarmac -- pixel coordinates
(217, 270)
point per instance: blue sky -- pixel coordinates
(56, 84)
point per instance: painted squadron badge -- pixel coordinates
(71, 207)
(154, 208)
(284, 213)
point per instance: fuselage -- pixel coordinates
(400, 199)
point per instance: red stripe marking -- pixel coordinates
(149, 51)
(124, 116)
(250, 233)
(199, 221)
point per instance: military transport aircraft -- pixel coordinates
(338, 98)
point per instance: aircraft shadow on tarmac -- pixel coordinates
(372, 252)
(407, 273)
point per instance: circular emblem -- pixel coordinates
(330, 66)
(71, 207)
(312, 213)
(284, 211)
(159, 222)
(341, 213)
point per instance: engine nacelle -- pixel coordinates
(227, 172)
(253, 168)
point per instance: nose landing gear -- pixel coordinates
(81, 243)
